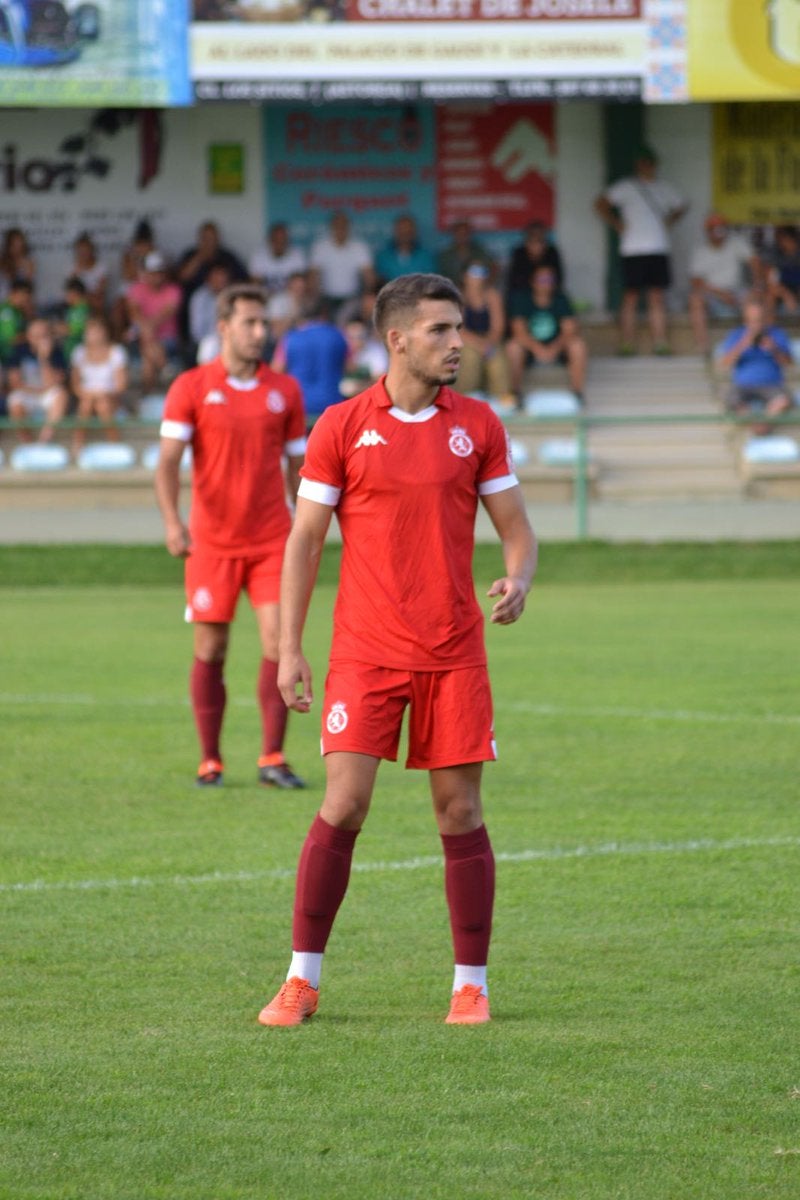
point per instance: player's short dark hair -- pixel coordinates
(398, 299)
(229, 296)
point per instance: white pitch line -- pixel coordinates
(549, 854)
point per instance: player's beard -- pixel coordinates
(424, 374)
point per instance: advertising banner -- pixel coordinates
(85, 54)
(744, 49)
(756, 161)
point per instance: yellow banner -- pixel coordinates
(743, 49)
(756, 163)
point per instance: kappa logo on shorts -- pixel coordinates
(202, 600)
(337, 718)
(371, 437)
(275, 402)
(215, 396)
(460, 442)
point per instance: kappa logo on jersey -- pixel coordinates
(460, 442)
(215, 397)
(275, 402)
(371, 437)
(337, 718)
(202, 600)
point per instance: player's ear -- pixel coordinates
(395, 341)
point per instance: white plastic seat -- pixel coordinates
(771, 450)
(106, 456)
(551, 402)
(39, 456)
(149, 457)
(520, 455)
(151, 408)
(559, 452)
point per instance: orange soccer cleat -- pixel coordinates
(295, 1002)
(469, 1006)
(209, 773)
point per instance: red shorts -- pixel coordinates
(213, 584)
(450, 714)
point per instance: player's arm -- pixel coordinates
(168, 486)
(507, 513)
(293, 464)
(300, 565)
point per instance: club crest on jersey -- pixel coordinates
(460, 442)
(275, 402)
(337, 718)
(214, 397)
(371, 437)
(202, 600)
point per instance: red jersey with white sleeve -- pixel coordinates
(238, 432)
(405, 488)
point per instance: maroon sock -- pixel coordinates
(322, 877)
(274, 712)
(469, 886)
(207, 691)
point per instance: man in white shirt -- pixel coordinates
(642, 209)
(273, 263)
(341, 265)
(721, 268)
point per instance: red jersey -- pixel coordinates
(405, 488)
(238, 433)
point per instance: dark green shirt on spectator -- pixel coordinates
(544, 324)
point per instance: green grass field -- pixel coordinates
(644, 974)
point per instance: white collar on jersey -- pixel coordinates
(242, 385)
(425, 414)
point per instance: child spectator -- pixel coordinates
(91, 272)
(130, 269)
(15, 313)
(16, 260)
(69, 329)
(98, 376)
(37, 376)
(154, 303)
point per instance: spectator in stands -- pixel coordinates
(403, 254)
(16, 260)
(203, 304)
(484, 363)
(367, 357)
(131, 266)
(154, 303)
(464, 250)
(783, 273)
(37, 375)
(642, 209)
(341, 265)
(194, 263)
(75, 313)
(272, 264)
(91, 272)
(314, 352)
(535, 250)
(286, 307)
(756, 354)
(721, 268)
(544, 331)
(15, 313)
(98, 377)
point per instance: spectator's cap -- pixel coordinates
(477, 270)
(154, 261)
(645, 153)
(716, 220)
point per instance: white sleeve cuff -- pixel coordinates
(322, 493)
(497, 485)
(177, 429)
(295, 448)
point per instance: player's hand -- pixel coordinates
(511, 604)
(178, 541)
(293, 673)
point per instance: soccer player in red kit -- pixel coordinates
(241, 419)
(403, 465)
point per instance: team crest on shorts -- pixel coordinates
(275, 402)
(337, 718)
(202, 600)
(460, 442)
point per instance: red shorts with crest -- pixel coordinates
(213, 584)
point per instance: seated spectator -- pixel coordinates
(91, 272)
(535, 250)
(203, 304)
(463, 251)
(154, 303)
(756, 354)
(98, 377)
(783, 273)
(720, 269)
(286, 307)
(272, 265)
(314, 352)
(367, 357)
(130, 269)
(341, 265)
(484, 364)
(37, 374)
(403, 254)
(544, 331)
(15, 313)
(194, 264)
(16, 260)
(72, 323)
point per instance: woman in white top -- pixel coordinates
(98, 376)
(92, 273)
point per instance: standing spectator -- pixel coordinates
(195, 262)
(15, 313)
(484, 364)
(756, 354)
(273, 264)
(76, 313)
(403, 465)
(719, 271)
(535, 250)
(464, 250)
(203, 304)
(341, 265)
(98, 376)
(240, 418)
(314, 353)
(403, 254)
(37, 374)
(544, 330)
(154, 303)
(783, 276)
(16, 260)
(91, 272)
(643, 209)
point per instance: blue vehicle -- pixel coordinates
(45, 33)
